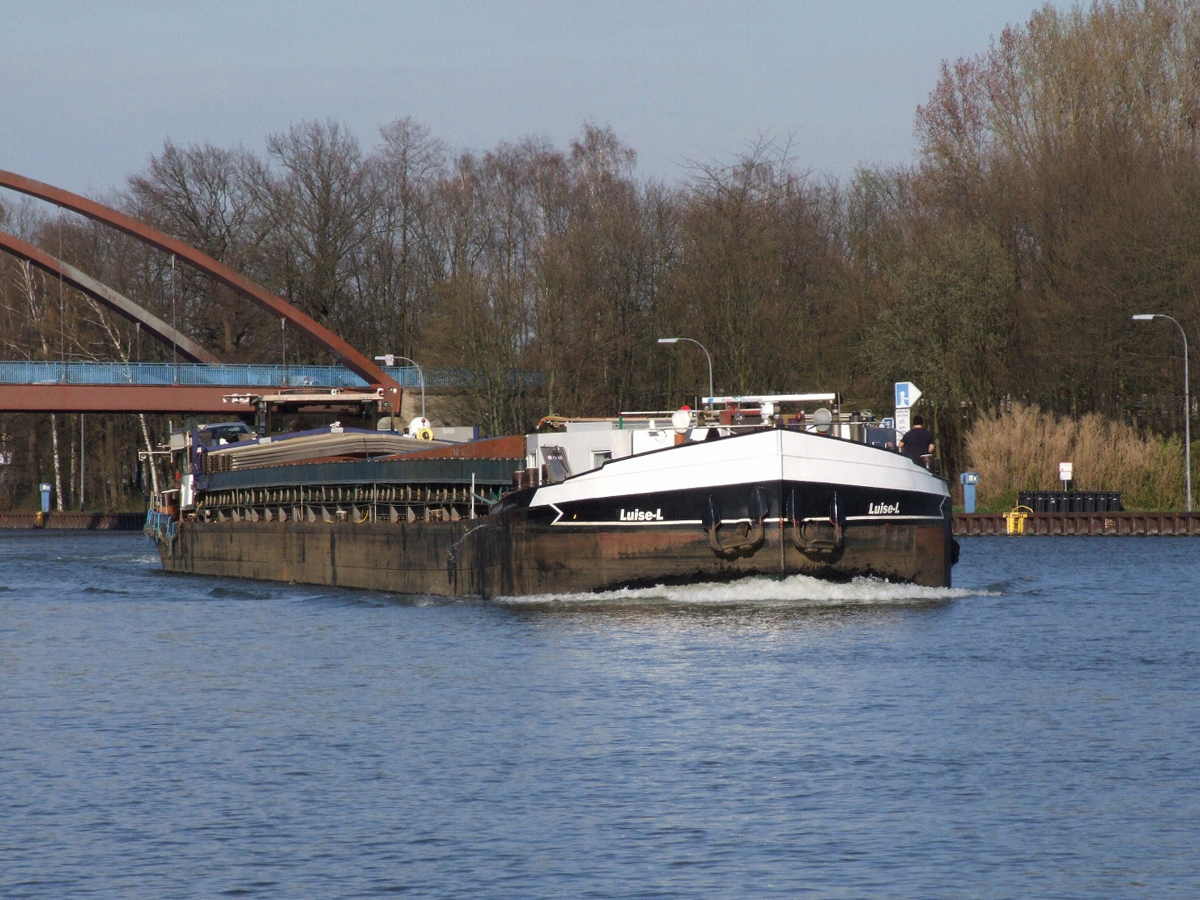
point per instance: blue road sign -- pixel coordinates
(907, 394)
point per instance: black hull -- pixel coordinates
(802, 504)
(513, 554)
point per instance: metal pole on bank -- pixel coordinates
(676, 340)
(389, 359)
(1187, 404)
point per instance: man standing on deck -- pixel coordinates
(917, 442)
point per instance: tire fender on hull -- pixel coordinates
(753, 532)
(820, 539)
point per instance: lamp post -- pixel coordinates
(389, 359)
(676, 340)
(1187, 405)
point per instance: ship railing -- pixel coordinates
(365, 502)
(159, 527)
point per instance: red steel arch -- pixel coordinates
(115, 301)
(277, 306)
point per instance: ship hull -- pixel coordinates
(809, 506)
(521, 558)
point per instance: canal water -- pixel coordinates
(1032, 732)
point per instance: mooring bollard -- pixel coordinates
(1015, 519)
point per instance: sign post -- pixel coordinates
(1066, 474)
(907, 394)
(969, 480)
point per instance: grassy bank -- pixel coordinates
(1020, 449)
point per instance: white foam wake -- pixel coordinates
(793, 591)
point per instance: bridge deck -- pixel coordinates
(71, 387)
(193, 374)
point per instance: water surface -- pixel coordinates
(1032, 732)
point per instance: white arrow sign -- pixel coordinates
(907, 394)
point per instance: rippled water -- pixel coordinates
(1032, 732)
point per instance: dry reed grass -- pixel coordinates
(1020, 449)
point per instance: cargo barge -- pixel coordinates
(740, 489)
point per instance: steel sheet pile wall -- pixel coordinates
(1096, 524)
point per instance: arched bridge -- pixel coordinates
(208, 389)
(68, 394)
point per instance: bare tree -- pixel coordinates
(497, 213)
(761, 247)
(603, 277)
(1074, 140)
(208, 198)
(401, 266)
(322, 205)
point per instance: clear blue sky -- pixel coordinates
(91, 90)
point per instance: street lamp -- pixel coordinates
(1187, 406)
(676, 340)
(389, 359)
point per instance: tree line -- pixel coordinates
(1055, 192)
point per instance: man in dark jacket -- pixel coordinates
(917, 442)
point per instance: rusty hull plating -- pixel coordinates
(454, 520)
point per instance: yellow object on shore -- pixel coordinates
(1015, 520)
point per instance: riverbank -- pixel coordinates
(1094, 524)
(1108, 524)
(73, 521)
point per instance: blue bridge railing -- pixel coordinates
(199, 375)
(234, 376)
